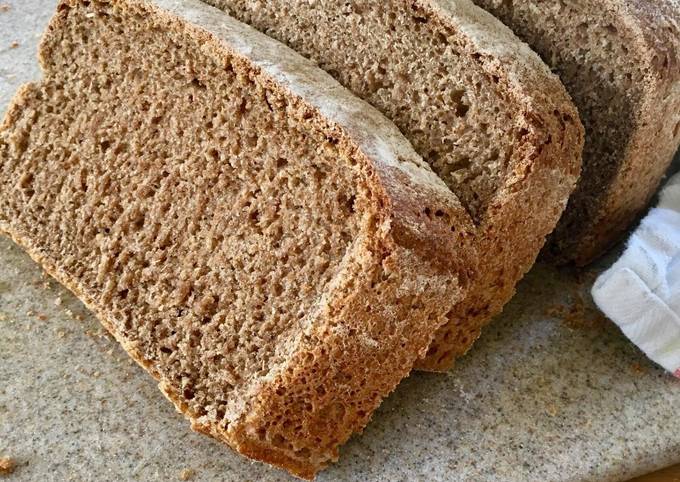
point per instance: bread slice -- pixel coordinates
(480, 107)
(266, 245)
(620, 61)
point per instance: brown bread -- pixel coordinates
(480, 107)
(269, 247)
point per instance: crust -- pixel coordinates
(540, 179)
(382, 309)
(656, 28)
(352, 348)
(656, 140)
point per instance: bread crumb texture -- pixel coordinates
(278, 271)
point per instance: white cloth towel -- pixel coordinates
(641, 291)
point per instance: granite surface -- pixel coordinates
(552, 391)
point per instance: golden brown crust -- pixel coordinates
(382, 308)
(349, 347)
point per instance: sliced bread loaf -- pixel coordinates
(269, 247)
(620, 61)
(480, 107)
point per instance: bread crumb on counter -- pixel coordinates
(187, 474)
(4, 8)
(637, 369)
(579, 312)
(552, 410)
(7, 465)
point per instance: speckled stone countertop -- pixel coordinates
(552, 391)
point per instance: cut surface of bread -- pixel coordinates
(620, 61)
(480, 107)
(269, 247)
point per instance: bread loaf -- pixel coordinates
(480, 107)
(620, 61)
(267, 246)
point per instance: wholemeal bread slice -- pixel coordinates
(480, 107)
(620, 61)
(266, 245)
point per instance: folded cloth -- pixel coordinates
(641, 291)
